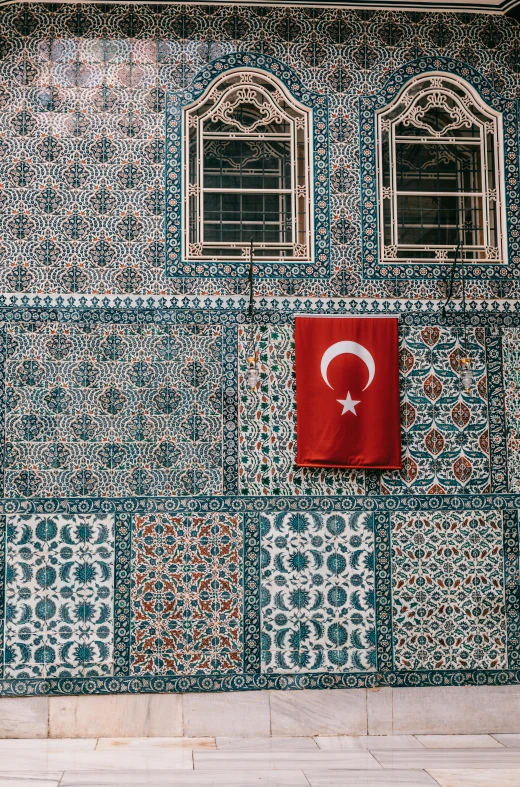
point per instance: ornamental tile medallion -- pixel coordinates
(317, 580)
(187, 597)
(267, 425)
(59, 596)
(448, 590)
(113, 410)
(445, 433)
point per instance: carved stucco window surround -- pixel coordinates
(440, 174)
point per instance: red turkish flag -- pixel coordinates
(347, 392)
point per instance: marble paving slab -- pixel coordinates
(448, 759)
(287, 761)
(477, 778)
(338, 778)
(511, 739)
(174, 778)
(266, 744)
(143, 744)
(348, 742)
(48, 744)
(29, 779)
(458, 741)
(25, 760)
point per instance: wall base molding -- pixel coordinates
(443, 710)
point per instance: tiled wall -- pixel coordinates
(155, 534)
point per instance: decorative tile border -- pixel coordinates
(122, 588)
(175, 265)
(496, 410)
(512, 587)
(368, 105)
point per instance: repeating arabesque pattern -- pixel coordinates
(59, 617)
(187, 595)
(82, 143)
(448, 591)
(445, 432)
(113, 410)
(318, 596)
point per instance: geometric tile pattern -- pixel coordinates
(448, 591)
(511, 356)
(187, 594)
(267, 425)
(59, 596)
(318, 599)
(109, 410)
(445, 433)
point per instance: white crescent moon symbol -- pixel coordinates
(353, 348)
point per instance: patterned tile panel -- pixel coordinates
(59, 596)
(187, 595)
(267, 418)
(445, 433)
(318, 599)
(511, 354)
(448, 591)
(113, 410)
(82, 141)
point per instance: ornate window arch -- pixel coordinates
(440, 170)
(247, 164)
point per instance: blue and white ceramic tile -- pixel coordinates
(317, 592)
(113, 410)
(59, 596)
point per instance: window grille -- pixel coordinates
(440, 175)
(247, 164)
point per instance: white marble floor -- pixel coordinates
(343, 761)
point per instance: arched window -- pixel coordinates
(247, 164)
(440, 175)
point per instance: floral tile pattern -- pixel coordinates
(113, 410)
(187, 596)
(267, 426)
(318, 599)
(445, 432)
(59, 596)
(511, 354)
(448, 590)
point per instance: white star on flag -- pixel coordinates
(349, 404)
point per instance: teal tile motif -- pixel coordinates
(445, 431)
(317, 595)
(448, 590)
(267, 425)
(113, 410)
(187, 595)
(511, 355)
(59, 619)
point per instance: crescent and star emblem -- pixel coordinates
(351, 348)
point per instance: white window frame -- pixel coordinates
(219, 97)
(438, 83)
